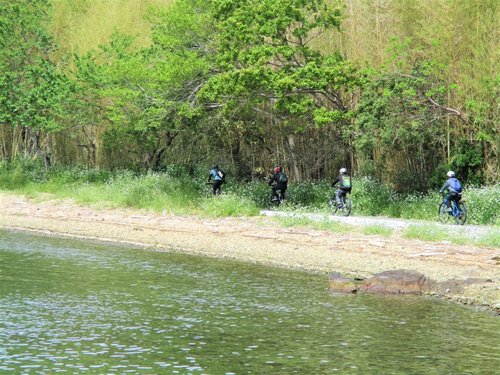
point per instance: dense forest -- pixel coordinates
(398, 90)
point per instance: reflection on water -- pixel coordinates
(70, 306)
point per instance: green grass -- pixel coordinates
(435, 234)
(325, 224)
(378, 230)
(181, 190)
(490, 240)
(426, 233)
(228, 205)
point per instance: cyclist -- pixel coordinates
(345, 186)
(454, 188)
(219, 178)
(278, 181)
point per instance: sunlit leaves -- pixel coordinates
(264, 56)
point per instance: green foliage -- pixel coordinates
(17, 174)
(231, 78)
(150, 93)
(467, 161)
(34, 90)
(181, 189)
(264, 59)
(398, 126)
(228, 205)
(483, 204)
(373, 198)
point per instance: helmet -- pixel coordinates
(216, 166)
(450, 174)
(277, 169)
(342, 170)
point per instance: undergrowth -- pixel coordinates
(178, 190)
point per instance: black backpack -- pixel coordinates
(282, 177)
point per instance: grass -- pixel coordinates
(426, 233)
(228, 205)
(436, 234)
(323, 224)
(378, 230)
(490, 240)
(181, 191)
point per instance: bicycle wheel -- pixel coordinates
(443, 214)
(345, 210)
(332, 205)
(461, 217)
(275, 201)
(209, 193)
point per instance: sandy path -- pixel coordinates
(261, 240)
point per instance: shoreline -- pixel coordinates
(261, 240)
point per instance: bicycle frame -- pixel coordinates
(455, 209)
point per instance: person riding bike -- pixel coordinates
(345, 186)
(219, 178)
(454, 190)
(278, 182)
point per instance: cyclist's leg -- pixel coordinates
(459, 198)
(338, 196)
(447, 202)
(274, 194)
(452, 197)
(217, 185)
(344, 194)
(282, 193)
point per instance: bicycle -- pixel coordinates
(456, 211)
(277, 200)
(343, 207)
(209, 193)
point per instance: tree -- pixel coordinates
(33, 88)
(264, 62)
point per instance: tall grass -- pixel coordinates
(182, 190)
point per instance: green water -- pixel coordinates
(73, 307)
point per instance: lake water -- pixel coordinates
(69, 306)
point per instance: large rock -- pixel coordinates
(339, 283)
(397, 282)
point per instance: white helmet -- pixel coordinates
(342, 170)
(450, 174)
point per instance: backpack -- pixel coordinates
(221, 174)
(455, 185)
(346, 182)
(282, 177)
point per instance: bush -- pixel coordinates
(228, 205)
(182, 190)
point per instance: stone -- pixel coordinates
(397, 282)
(339, 283)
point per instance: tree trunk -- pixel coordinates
(294, 162)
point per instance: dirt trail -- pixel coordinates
(261, 240)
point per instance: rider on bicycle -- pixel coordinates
(278, 181)
(219, 178)
(345, 186)
(454, 188)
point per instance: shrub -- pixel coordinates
(182, 189)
